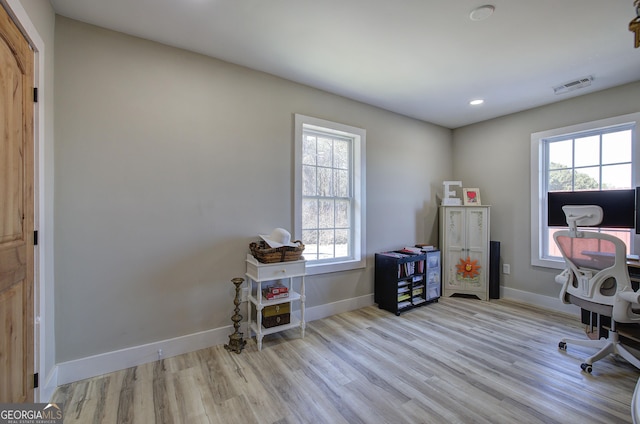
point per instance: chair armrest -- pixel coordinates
(630, 296)
(563, 277)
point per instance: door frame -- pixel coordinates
(43, 280)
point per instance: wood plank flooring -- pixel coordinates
(455, 361)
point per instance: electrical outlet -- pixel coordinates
(506, 269)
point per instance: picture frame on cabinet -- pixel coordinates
(471, 196)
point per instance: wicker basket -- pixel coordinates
(267, 255)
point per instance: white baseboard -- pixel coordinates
(92, 366)
(48, 386)
(546, 302)
(328, 309)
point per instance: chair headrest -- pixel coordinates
(582, 215)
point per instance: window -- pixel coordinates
(329, 194)
(599, 155)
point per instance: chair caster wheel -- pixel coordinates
(562, 346)
(586, 367)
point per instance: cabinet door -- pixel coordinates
(455, 235)
(476, 238)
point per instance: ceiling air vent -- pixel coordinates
(573, 85)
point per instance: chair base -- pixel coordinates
(610, 345)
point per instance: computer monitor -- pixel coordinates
(619, 206)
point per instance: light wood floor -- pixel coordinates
(455, 361)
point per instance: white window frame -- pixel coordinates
(357, 258)
(538, 194)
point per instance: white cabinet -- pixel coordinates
(464, 242)
(258, 273)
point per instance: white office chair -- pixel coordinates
(596, 279)
(635, 404)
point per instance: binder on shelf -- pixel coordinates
(406, 269)
(276, 288)
(393, 254)
(271, 296)
(404, 297)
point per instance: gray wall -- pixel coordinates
(495, 156)
(168, 164)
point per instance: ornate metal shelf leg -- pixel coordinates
(236, 342)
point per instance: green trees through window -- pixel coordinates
(568, 179)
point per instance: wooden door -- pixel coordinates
(16, 215)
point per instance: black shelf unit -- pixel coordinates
(404, 281)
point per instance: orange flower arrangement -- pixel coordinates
(468, 268)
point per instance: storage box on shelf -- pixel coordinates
(267, 316)
(433, 274)
(406, 280)
(275, 315)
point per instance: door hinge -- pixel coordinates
(35, 238)
(35, 94)
(36, 381)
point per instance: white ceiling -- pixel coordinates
(421, 58)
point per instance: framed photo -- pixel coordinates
(471, 196)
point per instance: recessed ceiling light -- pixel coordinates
(476, 102)
(481, 13)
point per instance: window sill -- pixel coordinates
(326, 268)
(549, 263)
